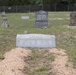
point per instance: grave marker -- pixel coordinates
(72, 19)
(24, 17)
(41, 19)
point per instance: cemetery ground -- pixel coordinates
(58, 25)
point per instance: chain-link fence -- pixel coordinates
(32, 8)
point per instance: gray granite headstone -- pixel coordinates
(41, 19)
(35, 41)
(72, 19)
(4, 22)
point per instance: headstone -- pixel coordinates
(3, 14)
(4, 22)
(35, 41)
(9, 8)
(25, 32)
(41, 19)
(72, 19)
(24, 17)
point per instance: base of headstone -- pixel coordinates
(72, 24)
(5, 24)
(39, 24)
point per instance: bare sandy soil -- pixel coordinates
(61, 66)
(13, 64)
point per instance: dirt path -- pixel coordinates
(13, 64)
(61, 62)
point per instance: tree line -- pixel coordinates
(31, 2)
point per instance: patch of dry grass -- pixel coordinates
(39, 63)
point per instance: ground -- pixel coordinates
(61, 64)
(20, 61)
(58, 26)
(14, 63)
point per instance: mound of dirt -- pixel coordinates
(61, 65)
(13, 64)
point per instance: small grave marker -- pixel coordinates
(41, 19)
(35, 40)
(24, 17)
(25, 32)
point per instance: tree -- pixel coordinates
(32, 2)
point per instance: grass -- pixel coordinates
(38, 63)
(65, 36)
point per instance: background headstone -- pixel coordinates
(41, 19)
(25, 32)
(4, 22)
(72, 19)
(24, 17)
(35, 41)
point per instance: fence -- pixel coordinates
(31, 8)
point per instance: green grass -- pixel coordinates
(65, 36)
(38, 63)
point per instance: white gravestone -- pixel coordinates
(24, 17)
(35, 41)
